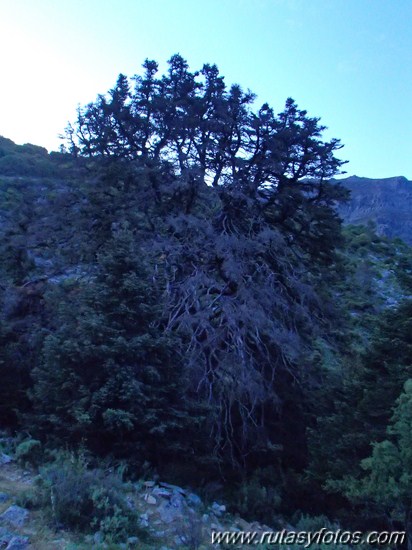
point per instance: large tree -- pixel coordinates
(237, 215)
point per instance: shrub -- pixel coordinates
(259, 497)
(83, 499)
(29, 451)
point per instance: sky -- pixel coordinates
(345, 61)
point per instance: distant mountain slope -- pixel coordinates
(387, 202)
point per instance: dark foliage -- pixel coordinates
(181, 294)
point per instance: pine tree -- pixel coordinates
(108, 376)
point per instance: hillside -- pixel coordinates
(179, 301)
(387, 202)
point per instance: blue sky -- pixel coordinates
(346, 61)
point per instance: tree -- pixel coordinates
(209, 135)
(387, 482)
(236, 209)
(108, 377)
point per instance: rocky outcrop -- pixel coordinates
(179, 518)
(15, 516)
(386, 202)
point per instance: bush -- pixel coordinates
(29, 451)
(83, 499)
(259, 497)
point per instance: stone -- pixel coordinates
(132, 540)
(98, 537)
(5, 537)
(149, 484)
(168, 514)
(144, 523)
(18, 543)
(193, 499)
(177, 501)
(150, 499)
(173, 488)
(244, 525)
(15, 515)
(179, 540)
(218, 509)
(161, 492)
(5, 459)
(4, 497)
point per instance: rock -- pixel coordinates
(173, 488)
(132, 540)
(177, 501)
(15, 515)
(144, 523)
(150, 499)
(161, 492)
(18, 543)
(193, 499)
(384, 201)
(5, 537)
(5, 459)
(130, 503)
(180, 540)
(244, 525)
(218, 509)
(169, 513)
(149, 484)
(4, 497)
(157, 522)
(98, 537)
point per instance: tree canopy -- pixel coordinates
(237, 217)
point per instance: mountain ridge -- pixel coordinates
(387, 202)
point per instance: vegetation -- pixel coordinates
(178, 293)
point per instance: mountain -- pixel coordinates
(387, 202)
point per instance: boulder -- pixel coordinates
(150, 499)
(14, 515)
(161, 492)
(177, 501)
(218, 509)
(5, 459)
(149, 484)
(173, 488)
(5, 537)
(193, 499)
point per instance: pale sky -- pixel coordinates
(346, 61)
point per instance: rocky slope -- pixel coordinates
(170, 517)
(387, 202)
